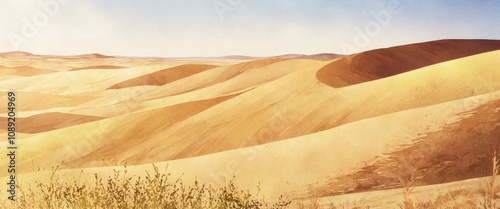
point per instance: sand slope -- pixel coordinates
(302, 127)
(164, 76)
(49, 122)
(381, 63)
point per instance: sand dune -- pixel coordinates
(106, 136)
(89, 80)
(39, 102)
(458, 151)
(49, 122)
(106, 67)
(164, 76)
(322, 57)
(15, 54)
(93, 56)
(22, 71)
(205, 85)
(382, 63)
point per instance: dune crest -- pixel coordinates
(165, 76)
(382, 63)
(50, 121)
(15, 54)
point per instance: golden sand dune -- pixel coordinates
(49, 122)
(93, 56)
(22, 71)
(118, 122)
(39, 102)
(164, 76)
(64, 82)
(204, 85)
(322, 57)
(460, 150)
(319, 57)
(106, 136)
(242, 77)
(105, 67)
(15, 54)
(223, 74)
(381, 63)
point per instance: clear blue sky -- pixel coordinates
(245, 27)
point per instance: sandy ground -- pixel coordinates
(312, 129)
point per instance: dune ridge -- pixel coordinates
(382, 63)
(165, 76)
(50, 121)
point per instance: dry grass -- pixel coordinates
(463, 198)
(407, 184)
(483, 197)
(491, 190)
(158, 190)
(154, 190)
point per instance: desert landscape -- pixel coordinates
(410, 126)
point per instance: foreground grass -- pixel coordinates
(154, 190)
(481, 198)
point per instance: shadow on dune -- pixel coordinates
(382, 63)
(50, 121)
(163, 77)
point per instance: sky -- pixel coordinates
(191, 28)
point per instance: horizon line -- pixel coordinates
(234, 56)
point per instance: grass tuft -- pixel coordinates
(491, 190)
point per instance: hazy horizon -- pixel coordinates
(222, 28)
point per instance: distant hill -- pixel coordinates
(94, 55)
(321, 57)
(15, 54)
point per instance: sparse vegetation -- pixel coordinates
(463, 198)
(407, 184)
(154, 190)
(491, 190)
